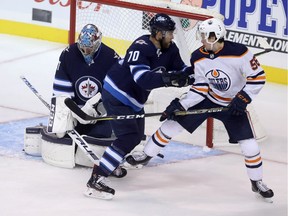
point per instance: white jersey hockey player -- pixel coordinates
(227, 74)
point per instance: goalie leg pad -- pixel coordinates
(56, 151)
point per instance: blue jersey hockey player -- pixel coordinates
(80, 73)
(152, 61)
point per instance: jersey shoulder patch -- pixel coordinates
(141, 42)
(143, 45)
(109, 50)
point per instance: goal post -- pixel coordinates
(122, 21)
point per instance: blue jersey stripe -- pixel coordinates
(122, 96)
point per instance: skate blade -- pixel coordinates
(268, 200)
(92, 193)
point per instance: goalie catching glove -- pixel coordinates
(239, 103)
(173, 107)
(93, 107)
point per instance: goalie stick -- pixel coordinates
(75, 136)
(75, 109)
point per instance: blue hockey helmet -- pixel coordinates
(161, 22)
(89, 39)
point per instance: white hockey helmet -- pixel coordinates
(89, 39)
(212, 25)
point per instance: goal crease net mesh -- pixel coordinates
(121, 25)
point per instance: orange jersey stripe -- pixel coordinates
(204, 90)
(257, 78)
(219, 97)
(160, 138)
(253, 161)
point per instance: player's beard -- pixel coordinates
(165, 44)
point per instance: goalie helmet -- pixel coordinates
(209, 26)
(161, 22)
(89, 41)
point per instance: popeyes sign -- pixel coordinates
(53, 2)
(270, 16)
(67, 3)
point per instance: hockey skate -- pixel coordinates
(119, 172)
(96, 188)
(138, 158)
(262, 190)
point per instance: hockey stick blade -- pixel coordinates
(264, 45)
(75, 109)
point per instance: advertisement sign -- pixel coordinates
(245, 21)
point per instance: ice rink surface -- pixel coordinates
(215, 185)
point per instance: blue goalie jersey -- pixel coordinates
(78, 80)
(139, 72)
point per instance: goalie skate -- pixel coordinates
(262, 191)
(97, 189)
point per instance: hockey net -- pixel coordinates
(122, 21)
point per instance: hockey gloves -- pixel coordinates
(173, 107)
(176, 78)
(93, 107)
(239, 103)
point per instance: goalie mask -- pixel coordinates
(209, 26)
(89, 41)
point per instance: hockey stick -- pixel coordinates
(75, 136)
(75, 109)
(263, 52)
(264, 44)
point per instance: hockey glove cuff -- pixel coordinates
(169, 113)
(239, 103)
(175, 78)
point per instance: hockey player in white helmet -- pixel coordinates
(227, 74)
